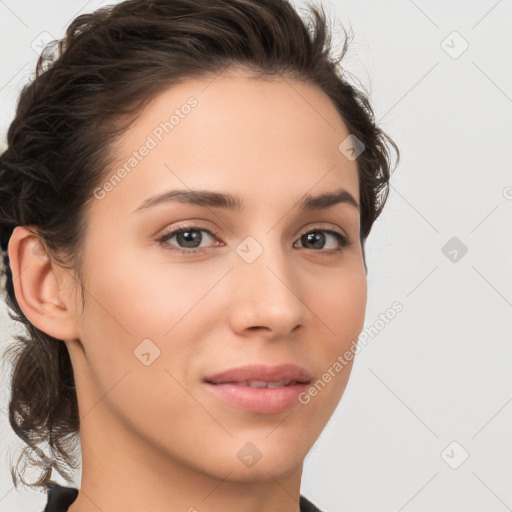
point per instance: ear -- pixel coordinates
(42, 288)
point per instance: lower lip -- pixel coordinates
(259, 400)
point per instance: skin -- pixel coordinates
(152, 438)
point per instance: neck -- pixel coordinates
(122, 472)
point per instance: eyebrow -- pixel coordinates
(235, 203)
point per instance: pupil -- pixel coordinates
(190, 239)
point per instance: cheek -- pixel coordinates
(132, 311)
(340, 303)
(147, 301)
(129, 304)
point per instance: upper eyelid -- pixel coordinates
(193, 227)
(214, 233)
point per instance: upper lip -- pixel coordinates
(261, 372)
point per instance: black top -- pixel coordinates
(60, 498)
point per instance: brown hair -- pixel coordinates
(87, 89)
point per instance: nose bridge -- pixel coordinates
(266, 295)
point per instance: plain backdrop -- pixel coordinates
(426, 418)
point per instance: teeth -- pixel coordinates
(278, 384)
(264, 384)
(256, 384)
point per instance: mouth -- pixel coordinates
(258, 397)
(259, 388)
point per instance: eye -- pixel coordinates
(187, 238)
(316, 239)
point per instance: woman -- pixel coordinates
(186, 194)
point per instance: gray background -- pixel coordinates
(432, 386)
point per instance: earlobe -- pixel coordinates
(38, 285)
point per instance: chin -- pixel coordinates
(266, 460)
(271, 469)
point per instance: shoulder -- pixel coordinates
(307, 506)
(59, 497)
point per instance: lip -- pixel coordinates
(229, 387)
(261, 372)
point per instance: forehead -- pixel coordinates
(235, 133)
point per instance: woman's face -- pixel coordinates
(267, 282)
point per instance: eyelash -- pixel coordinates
(342, 239)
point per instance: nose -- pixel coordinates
(267, 297)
